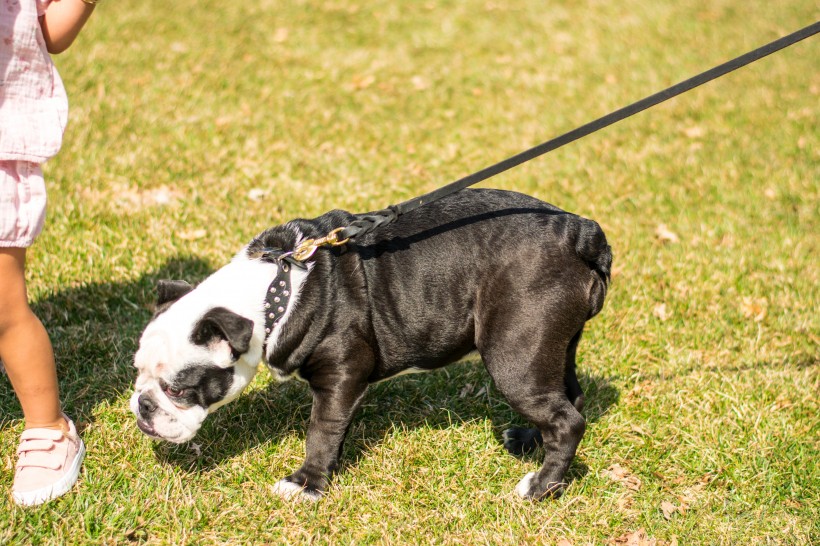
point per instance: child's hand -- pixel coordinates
(62, 22)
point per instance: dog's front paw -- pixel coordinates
(529, 488)
(293, 491)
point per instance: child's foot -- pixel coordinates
(48, 464)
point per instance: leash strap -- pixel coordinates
(375, 220)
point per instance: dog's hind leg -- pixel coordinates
(533, 383)
(574, 392)
(521, 440)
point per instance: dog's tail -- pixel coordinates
(592, 247)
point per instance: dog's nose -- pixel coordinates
(147, 406)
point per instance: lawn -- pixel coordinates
(195, 125)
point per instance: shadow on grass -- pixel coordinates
(452, 396)
(94, 329)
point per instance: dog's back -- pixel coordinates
(503, 229)
(477, 257)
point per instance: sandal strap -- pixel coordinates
(29, 446)
(41, 434)
(39, 459)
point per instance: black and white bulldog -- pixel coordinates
(498, 272)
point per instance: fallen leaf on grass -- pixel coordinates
(662, 312)
(639, 430)
(256, 194)
(419, 83)
(363, 82)
(161, 196)
(754, 308)
(640, 538)
(132, 198)
(563, 542)
(694, 131)
(467, 389)
(665, 234)
(620, 474)
(642, 391)
(625, 502)
(668, 509)
(139, 533)
(791, 503)
(635, 538)
(781, 402)
(192, 235)
(280, 35)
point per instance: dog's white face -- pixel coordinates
(197, 355)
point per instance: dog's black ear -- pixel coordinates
(169, 291)
(220, 324)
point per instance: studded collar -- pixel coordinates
(278, 294)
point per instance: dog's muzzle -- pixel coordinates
(143, 407)
(163, 423)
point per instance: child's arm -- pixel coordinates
(63, 21)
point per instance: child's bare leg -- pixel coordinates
(25, 347)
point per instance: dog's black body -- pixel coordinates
(500, 272)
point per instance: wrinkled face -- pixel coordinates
(191, 360)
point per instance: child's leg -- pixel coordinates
(25, 347)
(50, 454)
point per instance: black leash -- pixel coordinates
(375, 220)
(279, 291)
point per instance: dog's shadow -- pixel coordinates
(94, 329)
(453, 396)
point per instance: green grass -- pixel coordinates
(194, 125)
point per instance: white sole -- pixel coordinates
(58, 488)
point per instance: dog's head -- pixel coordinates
(193, 357)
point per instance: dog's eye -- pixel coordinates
(176, 393)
